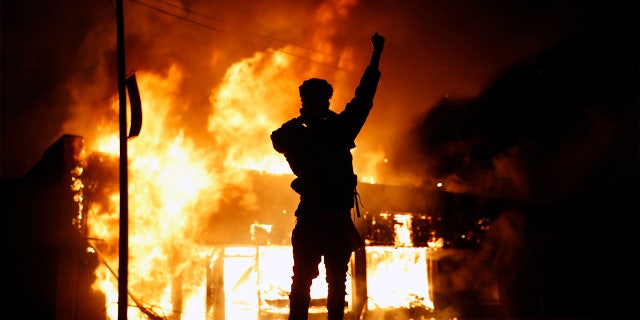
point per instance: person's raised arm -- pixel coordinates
(369, 81)
(358, 108)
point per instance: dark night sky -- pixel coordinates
(532, 100)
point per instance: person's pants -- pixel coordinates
(310, 243)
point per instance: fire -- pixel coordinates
(168, 176)
(407, 266)
(368, 164)
(177, 183)
(247, 107)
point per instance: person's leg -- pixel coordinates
(306, 258)
(337, 265)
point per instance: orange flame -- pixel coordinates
(176, 184)
(246, 108)
(168, 177)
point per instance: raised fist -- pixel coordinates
(378, 42)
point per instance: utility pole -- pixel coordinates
(123, 254)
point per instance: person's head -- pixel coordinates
(315, 95)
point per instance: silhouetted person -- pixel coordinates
(317, 147)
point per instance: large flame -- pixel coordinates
(246, 109)
(168, 178)
(177, 184)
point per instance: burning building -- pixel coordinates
(211, 208)
(60, 226)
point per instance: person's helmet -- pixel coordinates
(315, 89)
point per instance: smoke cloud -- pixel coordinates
(59, 62)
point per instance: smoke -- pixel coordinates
(461, 97)
(71, 49)
(559, 130)
(543, 125)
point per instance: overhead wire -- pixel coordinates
(208, 17)
(234, 34)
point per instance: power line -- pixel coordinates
(177, 16)
(212, 28)
(237, 27)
